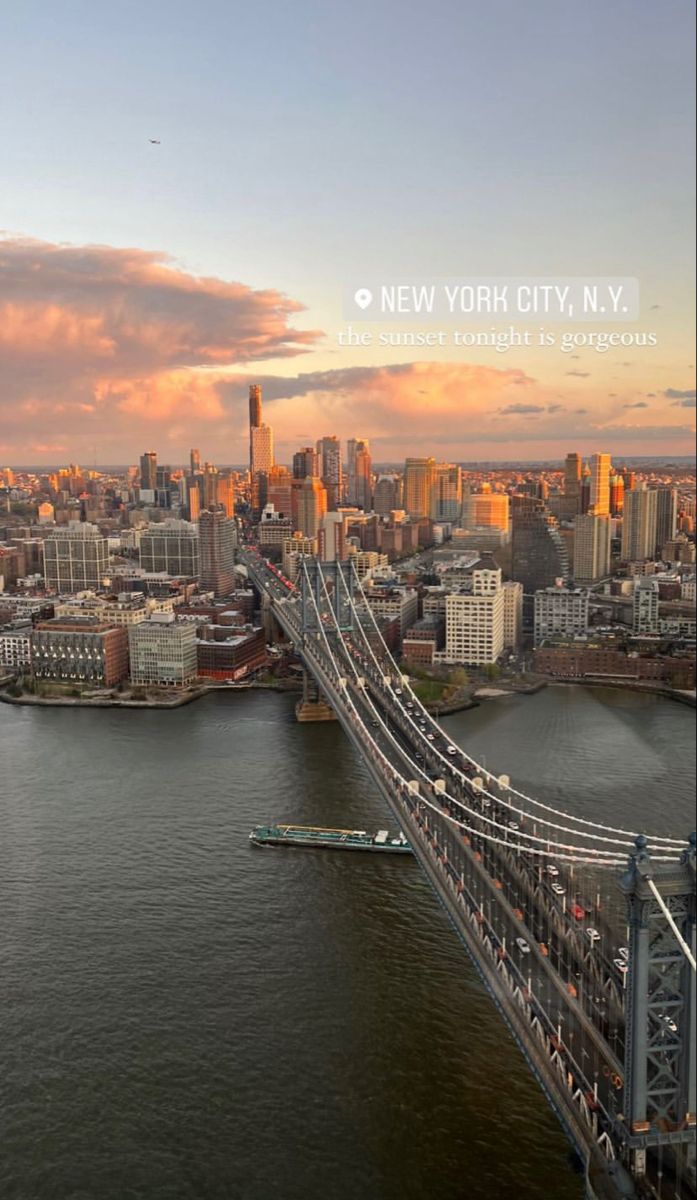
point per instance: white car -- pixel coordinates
(451, 750)
(621, 965)
(431, 737)
(553, 871)
(514, 826)
(558, 889)
(623, 952)
(398, 691)
(522, 945)
(592, 935)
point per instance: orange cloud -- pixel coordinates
(105, 350)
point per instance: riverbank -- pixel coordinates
(475, 693)
(166, 700)
(642, 689)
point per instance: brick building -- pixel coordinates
(224, 652)
(598, 662)
(79, 651)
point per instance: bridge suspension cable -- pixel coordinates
(560, 848)
(585, 855)
(670, 841)
(514, 838)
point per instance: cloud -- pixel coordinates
(90, 322)
(94, 335)
(579, 374)
(106, 351)
(514, 409)
(637, 404)
(682, 399)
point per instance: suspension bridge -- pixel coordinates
(582, 932)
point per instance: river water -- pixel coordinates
(186, 1017)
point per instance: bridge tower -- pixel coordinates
(332, 590)
(660, 1073)
(322, 592)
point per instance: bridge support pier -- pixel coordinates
(313, 706)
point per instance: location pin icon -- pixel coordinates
(363, 297)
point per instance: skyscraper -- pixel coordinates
(360, 464)
(279, 490)
(225, 492)
(209, 486)
(217, 540)
(148, 471)
(639, 524)
(601, 465)
(387, 495)
(330, 469)
(76, 558)
(305, 462)
(539, 555)
(312, 506)
(666, 515)
(616, 495)
(262, 449)
(572, 475)
(254, 413)
(261, 464)
(592, 546)
(170, 546)
(418, 483)
(446, 493)
(194, 461)
(485, 509)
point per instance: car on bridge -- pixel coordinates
(522, 945)
(577, 912)
(552, 870)
(558, 889)
(592, 935)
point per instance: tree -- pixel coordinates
(459, 677)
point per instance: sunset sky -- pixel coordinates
(305, 146)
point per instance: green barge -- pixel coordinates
(329, 839)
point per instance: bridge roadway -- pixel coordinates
(493, 895)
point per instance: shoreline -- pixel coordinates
(178, 701)
(641, 689)
(472, 700)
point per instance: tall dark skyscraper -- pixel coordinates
(195, 461)
(572, 476)
(305, 462)
(148, 470)
(666, 515)
(254, 414)
(539, 556)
